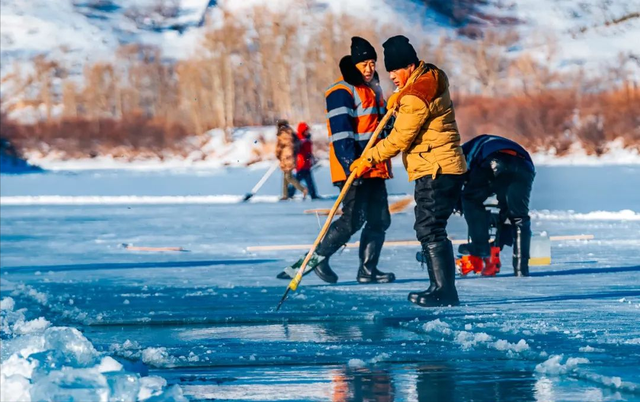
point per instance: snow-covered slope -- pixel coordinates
(588, 32)
(76, 30)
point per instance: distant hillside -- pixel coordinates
(82, 78)
(89, 30)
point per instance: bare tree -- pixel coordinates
(486, 59)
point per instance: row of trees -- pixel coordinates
(273, 64)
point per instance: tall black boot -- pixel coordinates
(441, 265)
(521, 247)
(335, 238)
(370, 248)
(318, 264)
(324, 271)
(432, 280)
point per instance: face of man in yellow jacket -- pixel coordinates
(401, 75)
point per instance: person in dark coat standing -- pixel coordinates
(498, 166)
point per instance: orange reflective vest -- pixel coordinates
(353, 114)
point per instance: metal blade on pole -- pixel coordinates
(263, 180)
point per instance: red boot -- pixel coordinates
(492, 264)
(468, 263)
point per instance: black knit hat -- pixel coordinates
(362, 50)
(398, 53)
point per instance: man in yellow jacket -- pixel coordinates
(426, 133)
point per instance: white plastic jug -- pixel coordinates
(540, 249)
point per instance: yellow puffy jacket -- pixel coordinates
(425, 129)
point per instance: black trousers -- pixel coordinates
(511, 179)
(435, 200)
(365, 202)
(307, 177)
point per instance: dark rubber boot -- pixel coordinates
(370, 248)
(441, 266)
(521, 247)
(413, 296)
(464, 249)
(324, 271)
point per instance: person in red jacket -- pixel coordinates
(304, 161)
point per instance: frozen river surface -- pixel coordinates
(85, 318)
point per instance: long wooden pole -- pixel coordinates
(293, 285)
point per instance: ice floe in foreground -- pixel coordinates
(44, 362)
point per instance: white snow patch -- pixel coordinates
(378, 12)
(16, 365)
(590, 349)
(72, 344)
(158, 357)
(356, 363)
(615, 154)
(14, 388)
(128, 349)
(34, 326)
(502, 344)
(250, 146)
(379, 358)
(151, 386)
(469, 340)
(130, 200)
(437, 326)
(623, 215)
(7, 304)
(108, 364)
(555, 366)
(68, 358)
(15, 375)
(34, 294)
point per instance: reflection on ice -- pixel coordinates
(326, 332)
(438, 381)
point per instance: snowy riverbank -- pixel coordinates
(254, 147)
